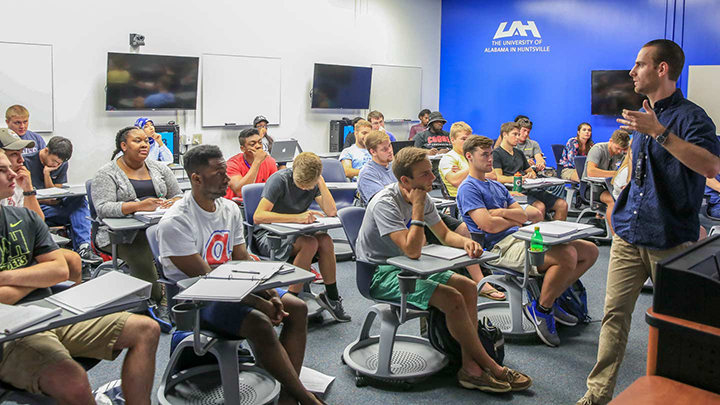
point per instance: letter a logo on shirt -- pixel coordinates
(217, 249)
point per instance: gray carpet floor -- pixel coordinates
(559, 373)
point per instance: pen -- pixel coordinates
(245, 271)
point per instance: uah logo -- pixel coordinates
(217, 249)
(517, 28)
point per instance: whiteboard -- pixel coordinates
(27, 79)
(236, 89)
(396, 91)
(703, 90)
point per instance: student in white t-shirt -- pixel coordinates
(203, 230)
(453, 165)
(354, 158)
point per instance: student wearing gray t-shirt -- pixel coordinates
(531, 149)
(286, 197)
(603, 160)
(394, 225)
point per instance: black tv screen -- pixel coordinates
(151, 82)
(613, 91)
(336, 86)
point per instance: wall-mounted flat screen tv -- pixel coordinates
(337, 86)
(613, 91)
(151, 82)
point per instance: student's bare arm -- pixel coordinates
(264, 214)
(349, 171)
(501, 177)
(594, 171)
(490, 223)
(326, 200)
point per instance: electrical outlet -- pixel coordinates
(197, 139)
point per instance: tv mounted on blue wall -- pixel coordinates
(613, 91)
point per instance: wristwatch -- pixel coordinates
(31, 192)
(662, 138)
(416, 222)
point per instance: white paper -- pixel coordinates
(109, 289)
(443, 252)
(319, 221)
(315, 381)
(50, 192)
(213, 289)
(556, 229)
(246, 269)
(15, 318)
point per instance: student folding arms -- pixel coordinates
(203, 230)
(393, 226)
(43, 363)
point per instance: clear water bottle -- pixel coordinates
(536, 242)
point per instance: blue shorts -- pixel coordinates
(227, 317)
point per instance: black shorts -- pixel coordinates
(542, 196)
(451, 222)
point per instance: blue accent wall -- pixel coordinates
(552, 85)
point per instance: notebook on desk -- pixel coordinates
(443, 252)
(150, 217)
(321, 221)
(110, 289)
(14, 318)
(555, 229)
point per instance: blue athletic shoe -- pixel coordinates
(562, 317)
(544, 324)
(159, 313)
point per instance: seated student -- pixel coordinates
(202, 230)
(487, 207)
(529, 148)
(377, 119)
(350, 138)
(25, 194)
(17, 119)
(252, 165)
(355, 157)
(394, 225)
(43, 363)
(261, 124)
(453, 166)
(159, 152)
(48, 168)
(507, 160)
(378, 174)
(424, 116)
(131, 184)
(435, 139)
(580, 145)
(622, 176)
(286, 198)
(602, 161)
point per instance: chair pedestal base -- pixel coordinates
(508, 315)
(227, 382)
(390, 356)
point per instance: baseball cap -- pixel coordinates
(11, 141)
(436, 116)
(259, 119)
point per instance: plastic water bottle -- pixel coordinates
(536, 242)
(517, 182)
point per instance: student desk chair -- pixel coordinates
(95, 223)
(389, 356)
(595, 206)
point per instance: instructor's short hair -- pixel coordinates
(669, 52)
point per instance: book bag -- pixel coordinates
(441, 339)
(574, 302)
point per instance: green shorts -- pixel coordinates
(385, 286)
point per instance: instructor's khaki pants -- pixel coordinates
(629, 267)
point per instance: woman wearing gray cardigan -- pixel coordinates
(125, 186)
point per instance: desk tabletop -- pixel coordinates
(298, 275)
(551, 240)
(596, 180)
(124, 224)
(547, 182)
(280, 230)
(342, 185)
(443, 203)
(427, 265)
(60, 240)
(54, 192)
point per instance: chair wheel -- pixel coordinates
(406, 386)
(342, 360)
(318, 318)
(360, 381)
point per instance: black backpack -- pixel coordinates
(574, 302)
(441, 339)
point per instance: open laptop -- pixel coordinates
(397, 145)
(284, 150)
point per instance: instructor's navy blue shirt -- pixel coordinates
(662, 212)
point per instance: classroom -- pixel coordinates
(360, 201)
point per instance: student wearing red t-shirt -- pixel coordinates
(252, 165)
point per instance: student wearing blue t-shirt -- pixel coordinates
(712, 188)
(355, 157)
(487, 207)
(17, 118)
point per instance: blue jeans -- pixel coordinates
(714, 210)
(74, 210)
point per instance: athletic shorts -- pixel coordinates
(227, 317)
(512, 255)
(566, 173)
(386, 286)
(542, 196)
(24, 359)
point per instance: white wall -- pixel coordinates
(301, 32)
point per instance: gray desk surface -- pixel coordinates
(555, 182)
(596, 180)
(427, 265)
(70, 191)
(184, 184)
(341, 185)
(443, 203)
(60, 240)
(329, 155)
(550, 240)
(280, 230)
(278, 280)
(66, 318)
(124, 224)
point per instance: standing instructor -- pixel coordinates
(674, 148)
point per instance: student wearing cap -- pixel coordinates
(261, 123)
(435, 139)
(377, 120)
(252, 165)
(17, 119)
(424, 117)
(48, 168)
(159, 152)
(25, 194)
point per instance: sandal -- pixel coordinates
(493, 294)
